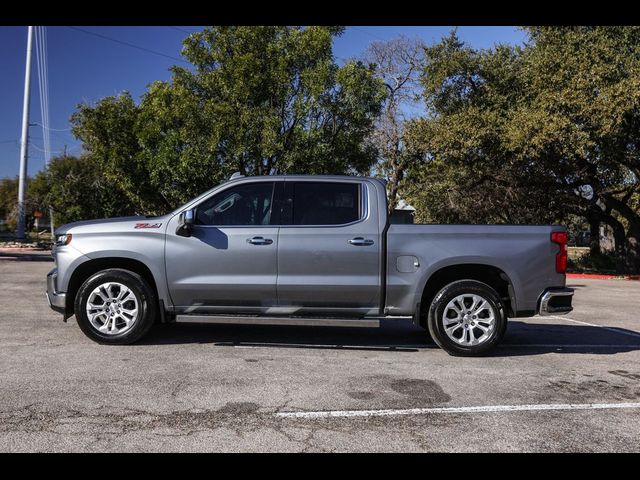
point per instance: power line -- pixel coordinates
(121, 42)
(54, 129)
(181, 30)
(43, 83)
(46, 152)
(368, 33)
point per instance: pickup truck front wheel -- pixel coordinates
(115, 306)
(466, 318)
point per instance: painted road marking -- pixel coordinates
(610, 329)
(478, 409)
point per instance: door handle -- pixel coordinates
(259, 241)
(361, 242)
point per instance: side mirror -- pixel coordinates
(185, 225)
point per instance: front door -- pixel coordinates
(230, 260)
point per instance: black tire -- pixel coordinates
(435, 320)
(147, 306)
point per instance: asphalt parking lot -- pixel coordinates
(556, 384)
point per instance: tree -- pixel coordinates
(77, 189)
(258, 100)
(8, 196)
(533, 134)
(109, 132)
(9, 203)
(398, 64)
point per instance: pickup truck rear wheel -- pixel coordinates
(466, 318)
(115, 306)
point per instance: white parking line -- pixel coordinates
(479, 409)
(615, 330)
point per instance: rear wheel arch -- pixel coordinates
(493, 276)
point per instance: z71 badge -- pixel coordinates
(147, 225)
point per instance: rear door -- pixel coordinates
(328, 247)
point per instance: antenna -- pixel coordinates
(236, 175)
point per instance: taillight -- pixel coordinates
(561, 257)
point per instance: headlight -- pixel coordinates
(63, 239)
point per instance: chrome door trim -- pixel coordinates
(259, 241)
(361, 242)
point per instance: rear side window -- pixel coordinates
(324, 203)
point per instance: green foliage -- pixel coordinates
(258, 100)
(77, 189)
(109, 131)
(9, 202)
(8, 196)
(515, 134)
(605, 262)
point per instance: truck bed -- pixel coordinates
(524, 253)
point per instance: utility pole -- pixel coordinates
(24, 152)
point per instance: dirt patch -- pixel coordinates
(361, 395)
(239, 408)
(594, 390)
(427, 390)
(389, 391)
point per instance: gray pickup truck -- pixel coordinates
(305, 250)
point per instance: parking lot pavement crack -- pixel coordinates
(286, 404)
(104, 427)
(180, 434)
(307, 442)
(180, 386)
(33, 418)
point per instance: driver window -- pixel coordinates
(248, 204)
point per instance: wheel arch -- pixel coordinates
(490, 274)
(90, 267)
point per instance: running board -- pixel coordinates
(312, 322)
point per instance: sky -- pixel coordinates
(84, 67)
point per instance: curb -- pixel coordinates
(25, 255)
(36, 251)
(26, 258)
(596, 276)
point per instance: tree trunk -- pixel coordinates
(393, 192)
(594, 237)
(631, 242)
(619, 240)
(632, 250)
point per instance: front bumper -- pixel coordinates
(57, 300)
(556, 301)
